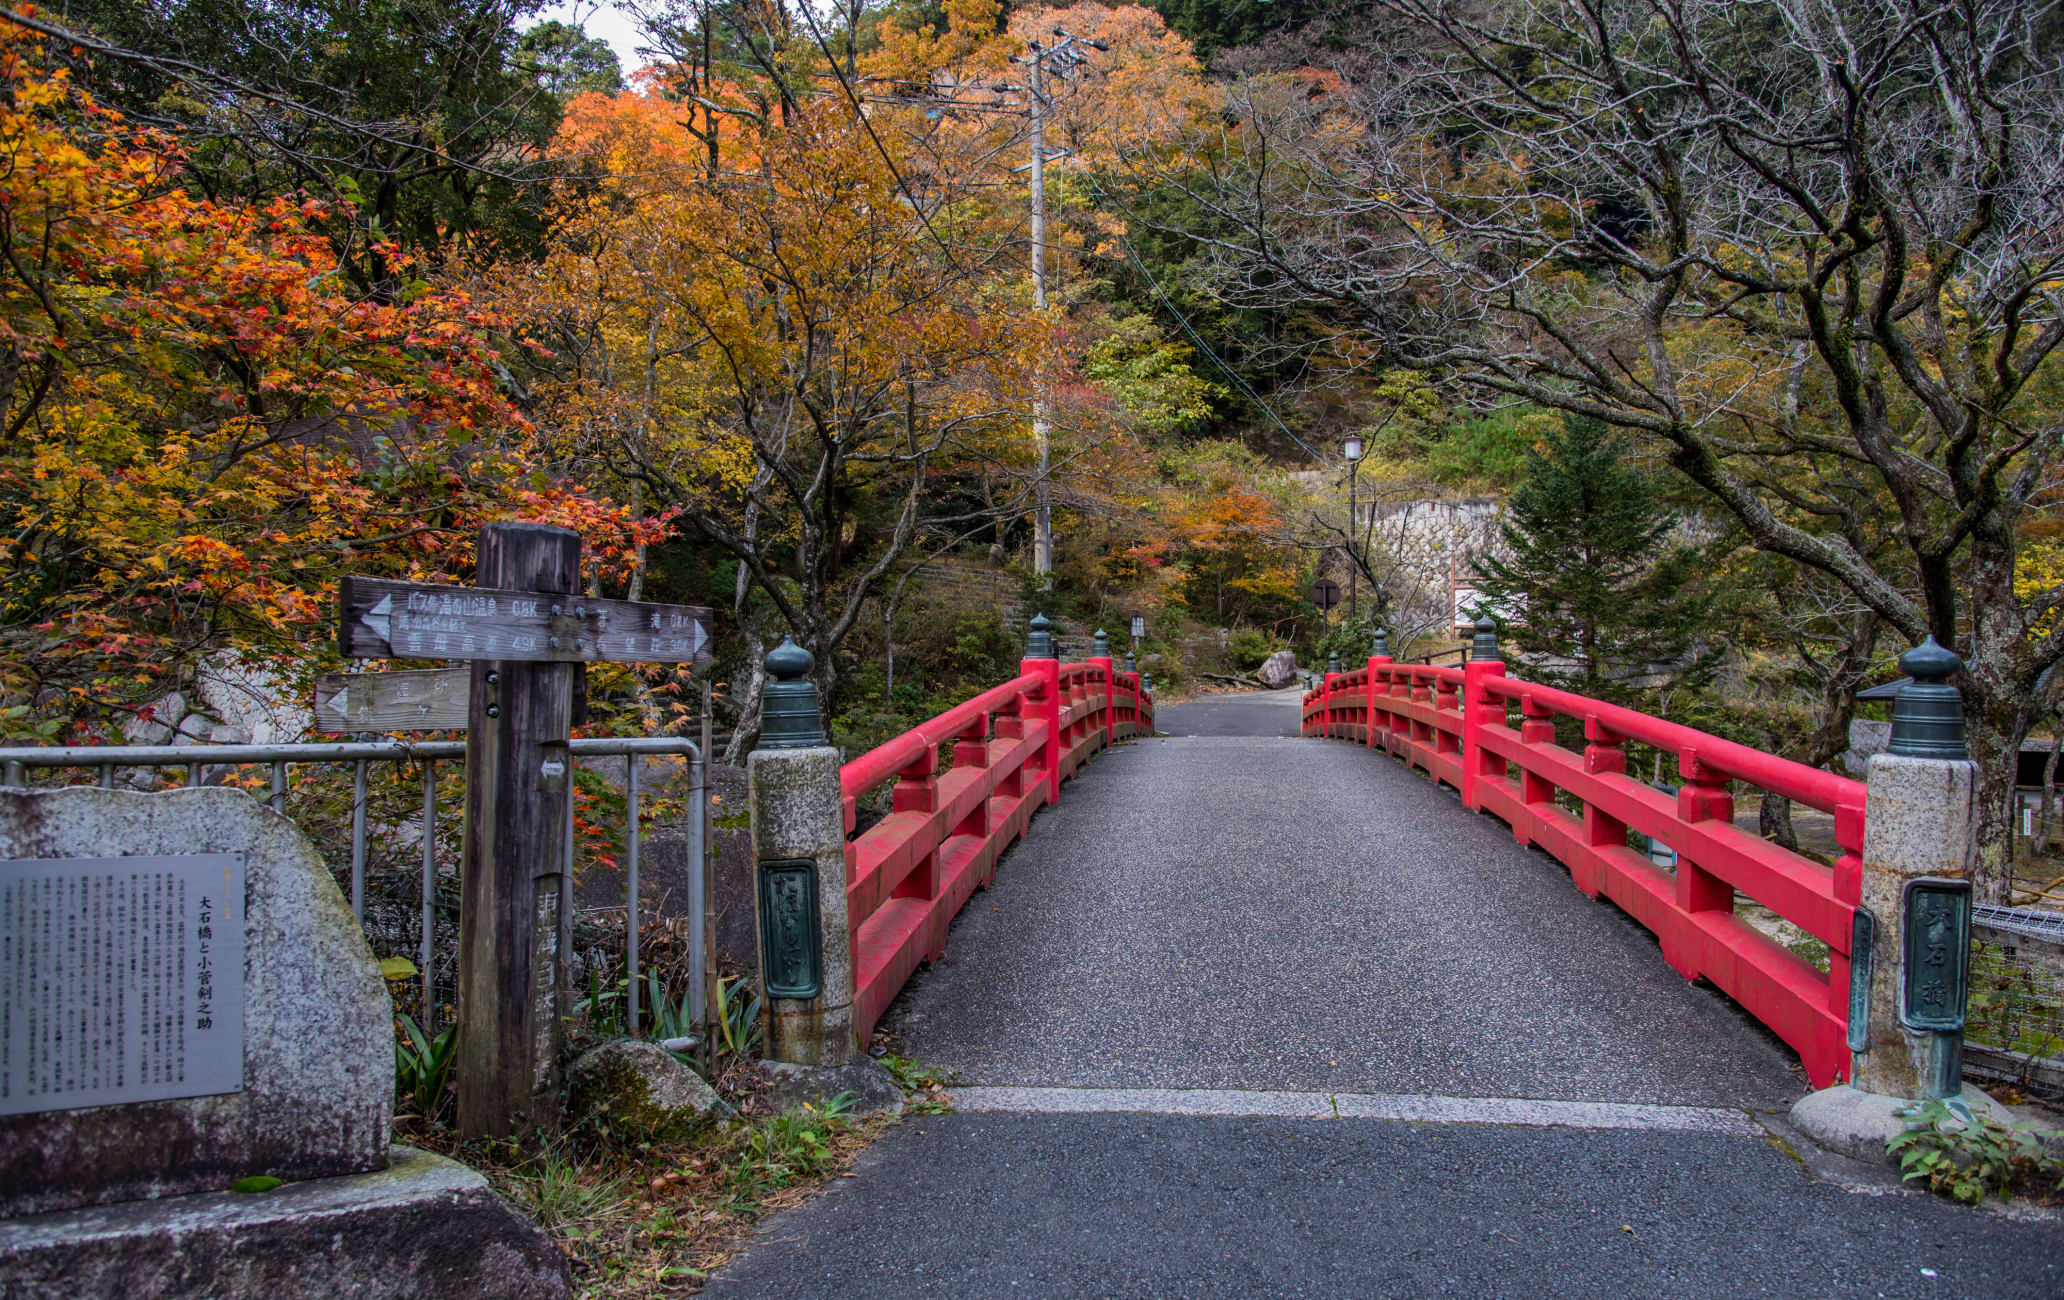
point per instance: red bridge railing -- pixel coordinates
(1456, 725)
(910, 873)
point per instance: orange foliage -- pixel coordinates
(202, 425)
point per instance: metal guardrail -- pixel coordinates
(2031, 922)
(199, 760)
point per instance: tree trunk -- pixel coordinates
(1774, 821)
(1994, 728)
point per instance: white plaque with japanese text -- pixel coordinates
(121, 979)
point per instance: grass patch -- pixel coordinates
(639, 1222)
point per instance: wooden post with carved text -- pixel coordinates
(528, 635)
(507, 1066)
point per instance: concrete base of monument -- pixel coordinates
(1851, 1122)
(424, 1227)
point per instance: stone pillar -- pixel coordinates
(799, 847)
(1920, 827)
(1920, 822)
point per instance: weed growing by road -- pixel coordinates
(1969, 1161)
(924, 1087)
(641, 1221)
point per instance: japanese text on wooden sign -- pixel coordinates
(381, 619)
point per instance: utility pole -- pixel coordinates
(1064, 56)
(1042, 428)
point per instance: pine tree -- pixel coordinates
(1591, 579)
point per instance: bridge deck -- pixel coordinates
(1287, 923)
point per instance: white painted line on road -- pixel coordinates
(1355, 1105)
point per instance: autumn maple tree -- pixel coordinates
(202, 424)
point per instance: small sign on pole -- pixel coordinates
(1139, 627)
(1325, 593)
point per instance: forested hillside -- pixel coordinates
(1713, 346)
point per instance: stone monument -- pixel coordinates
(186, 1003)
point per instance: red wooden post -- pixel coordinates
(1536, 727)
(1010, 725)
(1480, 710)
(1378, 664)
(1602, 753)
(1702, 797)
(1445, 701)
(1848, 887)
(917, 791)
(1046, 706)
(1102, 659)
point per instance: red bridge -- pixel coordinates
(1456, 726)
(1285, 993)
(1012, 747)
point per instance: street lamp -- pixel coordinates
(1352, 449)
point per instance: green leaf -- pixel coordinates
(397, 968)
(256, 1183)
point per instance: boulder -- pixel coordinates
(640, 1091)
(872, 1087)
(424, 1228)
(315, 1096)
(1278, 670)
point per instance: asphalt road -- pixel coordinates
(1153, 1207)
(1269, 912)
(1231, 908)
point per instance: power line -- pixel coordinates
(1138, 264)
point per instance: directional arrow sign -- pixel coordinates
(417, 699)
(380, 619)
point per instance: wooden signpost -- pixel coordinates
(418, 699)
(524, 628)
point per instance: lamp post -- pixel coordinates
(1352, 449)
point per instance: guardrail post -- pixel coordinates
(1445, 701)
(506, 1066)
(799, 846)
(1040, 658)
(1479, 710)
(1604, 753)
(1911, 941)
(1379, 657)
(1329, 714)
(1703, 796)
(1100, 655)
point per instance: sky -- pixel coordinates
(603, 21)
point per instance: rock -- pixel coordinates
(252, 701)
(425, 1228)
(873, 1088)
(1851, 1122)
(1278, 670)
(317, 1095)
(639, 1090)
(170, 722)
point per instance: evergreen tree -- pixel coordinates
(1591, 580)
